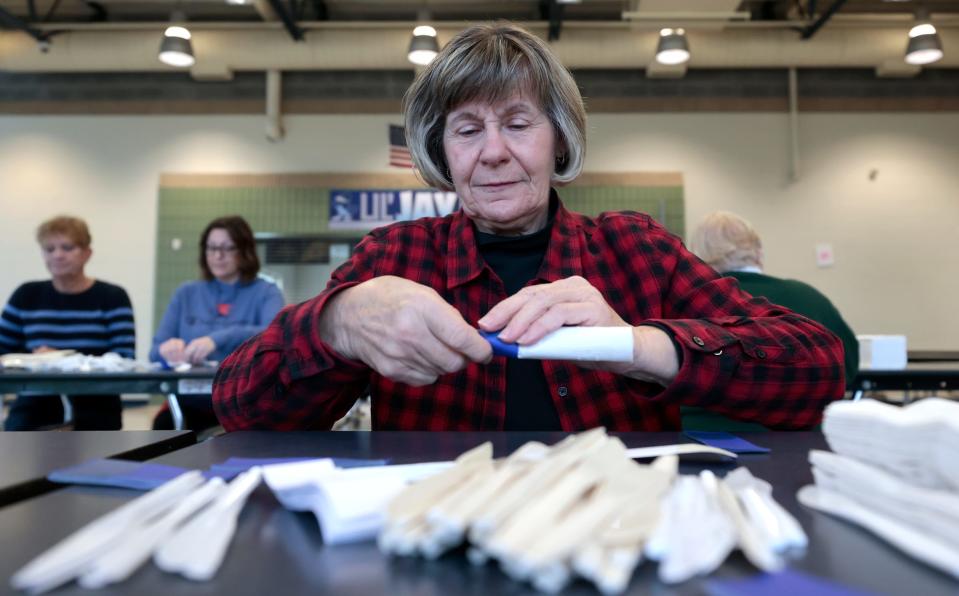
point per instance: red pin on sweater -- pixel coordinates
(223, 309)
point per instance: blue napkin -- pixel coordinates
(237, 465)
(146, 476)
(784, 583)
(118, 473)
(725, 440)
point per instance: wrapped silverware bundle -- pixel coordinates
(895, 472)
(185, 525)
(584, 508)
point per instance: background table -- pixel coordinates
(168, 382)
(27, 457)
(279, 552)
(928, 376)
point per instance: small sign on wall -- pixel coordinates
(825, 257)
(352, 209)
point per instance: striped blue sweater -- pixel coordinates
(93, 322)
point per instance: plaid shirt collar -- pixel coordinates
(562, 260)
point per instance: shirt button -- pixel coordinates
(562, 391)
(760, 353)
(698, 341)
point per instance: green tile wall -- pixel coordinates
(184, 212)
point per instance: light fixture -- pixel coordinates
(924, 45)
(176, 48)
(673, 48)
(423, 45)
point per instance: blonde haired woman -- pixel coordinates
(69, 311)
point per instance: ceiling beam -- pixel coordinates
(552, 12)
(809, 31)
(12, 21)
(289, 22)
(320, 11)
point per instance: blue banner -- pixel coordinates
(367, 209)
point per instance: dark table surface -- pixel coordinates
(27, 457)
(929, 376)
(279, 552)
(76, 383)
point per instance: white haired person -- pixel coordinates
(497, 118)
(731, 245)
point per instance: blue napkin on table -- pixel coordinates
(146, 476)
(724, 440)
(116, 472)
(237, 465)
(788, 582)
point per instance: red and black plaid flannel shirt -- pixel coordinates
(741, 356)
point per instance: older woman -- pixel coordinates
(208, 319)
(497, 118)
(70, 311)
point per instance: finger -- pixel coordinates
(203, 350)
(500, 315)
(540, 300)
(449, 328)
(560, 315)
(440, 358)
(417, 379)
(409, 372)
(192, 351)
(172, 353)
(424, 353)
(402, 348)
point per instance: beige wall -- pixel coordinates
(896, 238)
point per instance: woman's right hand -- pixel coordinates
(403, 330)
(172, 351)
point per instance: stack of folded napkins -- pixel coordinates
(349, 504)
(33, 361)
(70, 361)
(894, 471)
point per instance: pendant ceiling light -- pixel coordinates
(423, 45)
(924, 45)
(176, 48)
(672, 48)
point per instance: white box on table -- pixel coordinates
(883, 352)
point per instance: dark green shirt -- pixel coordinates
(807, 301)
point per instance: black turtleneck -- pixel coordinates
(516, 260)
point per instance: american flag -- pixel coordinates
(399, 152)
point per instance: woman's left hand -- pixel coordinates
(198, 349)
(535, 311)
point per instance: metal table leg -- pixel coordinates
(67, 409)
(175, 411)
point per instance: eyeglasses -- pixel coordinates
(226, 249)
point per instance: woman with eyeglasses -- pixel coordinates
(209, 318)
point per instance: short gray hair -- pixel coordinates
(726, 242)
(492, 62)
